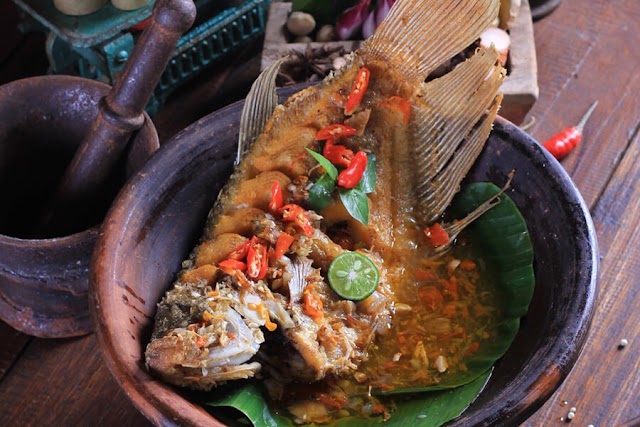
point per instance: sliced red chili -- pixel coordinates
(257, 262)
(425, 275)
(335, 132)
(240, 252)
(339, 155)
(201, 341)
(360, 85)
(334, 400)
(437, 235)
(230, 265)
(276, 197)
(297, 215)
(431, 297)
(473, 347)
(312, 305)
(351, 176)
(400, 104)
(283, 244)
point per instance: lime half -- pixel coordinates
(353, 276)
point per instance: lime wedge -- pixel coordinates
(353, 276)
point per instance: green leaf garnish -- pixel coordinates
(356, 203)
(325, 163)
(321, 193)
(422, 410)
(250, 400)
(368, 181)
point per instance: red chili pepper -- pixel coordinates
(282, 244)
(335, 132)
(379, 409)
(358, 89)
(229, 265)
(473, 347)
(335, 401)
(437, 235)
(426, 275)
(201, 341)
(297, 215)
(240, 252)
(276, 197)
(430, 297)
(312, 305)
(566, 140)
(399, 104)
(351, 176)
(339, 155)
(257, 261)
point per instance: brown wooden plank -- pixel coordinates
(13, 342)
(605, 383)
(588, 51)
(64, 382)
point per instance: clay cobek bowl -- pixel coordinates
(158, 217)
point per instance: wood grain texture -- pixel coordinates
(65, 382)
(13, 342)
(595, 57)
(604, 386)
(586, 52)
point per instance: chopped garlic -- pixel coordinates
(441, 363)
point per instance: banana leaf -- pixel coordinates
(421, 410)
(501, 236)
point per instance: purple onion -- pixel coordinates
(351, 20)
(369, 26)
(383, 9)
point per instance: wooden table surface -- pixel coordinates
(586, 50)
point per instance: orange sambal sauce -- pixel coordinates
(445, 309)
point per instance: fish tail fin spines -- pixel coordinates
(455, 104)
(447, 183)
(415, 40)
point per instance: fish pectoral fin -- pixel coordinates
(259, 105)
(416, 40)
(451, 129)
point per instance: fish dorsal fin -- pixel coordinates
(450, 130)
(416, 40)
(258, 107)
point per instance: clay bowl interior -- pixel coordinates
(44, 272)
(157, 219)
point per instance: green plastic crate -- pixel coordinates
(97, 46)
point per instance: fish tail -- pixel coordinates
(416, 40)
(451, 129)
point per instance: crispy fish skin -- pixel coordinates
(210, 325)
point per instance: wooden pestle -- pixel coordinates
(120, 112)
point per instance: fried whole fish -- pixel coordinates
(253, 295)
